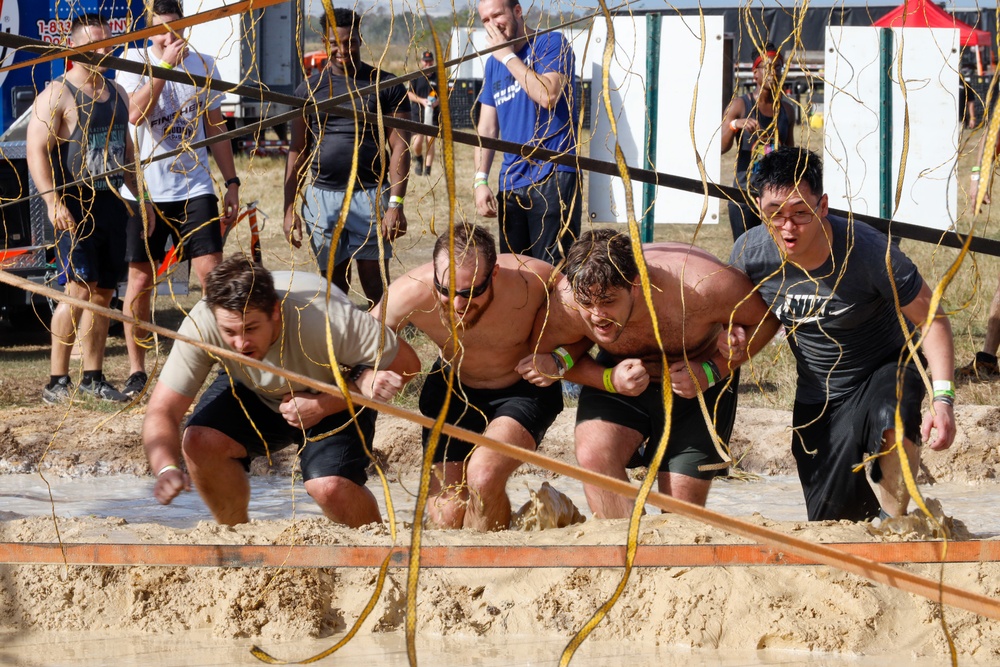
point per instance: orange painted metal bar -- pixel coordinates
(577, 556)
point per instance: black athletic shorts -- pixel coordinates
(94, 252)
(340, 454)
(533, 407)
(192, 225)
(829, 440)
(541, 220)
(690, 444)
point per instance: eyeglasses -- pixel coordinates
(471, 293)
(797, 219)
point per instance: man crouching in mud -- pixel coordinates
(280, 318)
(620, 419)
(494, 301)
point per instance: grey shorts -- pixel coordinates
(360, 237)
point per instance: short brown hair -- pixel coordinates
(238, 284)
(600, 258)
(87, 20)
(468, 236)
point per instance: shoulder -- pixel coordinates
(57, 96)
(754, 249)
(552, 39)
(525, 265)
(413, 291)
(136, 55)
(203, 60)
(860, 236)
(118, 88)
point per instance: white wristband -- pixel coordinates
(507, 58)
(943, 385)
(481, 176)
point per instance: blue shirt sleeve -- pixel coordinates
(486, 93)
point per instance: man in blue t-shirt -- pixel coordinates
(829, 282)
(527, 98)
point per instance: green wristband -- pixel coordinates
(565, 356)
(707, 367)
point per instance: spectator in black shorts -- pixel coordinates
(826, 278)
(77, 132)
(248, 412)
(167, 115)
(528, 98)
(424, 108)
(494, 301)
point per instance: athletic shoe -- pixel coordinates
(984, 367)
(102, 390)
(60, 392)
(427, 170)
(135, 384)
(418, 167)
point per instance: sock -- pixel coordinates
(54, 380)
(89, 377)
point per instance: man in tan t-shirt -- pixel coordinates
(287, 320)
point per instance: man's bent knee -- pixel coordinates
(202, 444)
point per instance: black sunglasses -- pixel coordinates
(471, 293)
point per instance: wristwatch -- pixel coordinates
(235, 180)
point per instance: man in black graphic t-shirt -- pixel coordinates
(330, 143)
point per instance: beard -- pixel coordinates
(471, 315)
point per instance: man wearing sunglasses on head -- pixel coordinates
(479, 309)
(828, 281)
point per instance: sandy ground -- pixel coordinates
(739, 608)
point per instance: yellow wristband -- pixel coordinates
(608, 384)
(166, 468)
(166, 66)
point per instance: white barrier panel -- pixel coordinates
(929, 109)
(689, 114)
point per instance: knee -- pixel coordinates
(140, 276)
(589, 453)
(332, 493)
(485, 480)
(202, 445)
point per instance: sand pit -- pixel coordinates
(802, 608)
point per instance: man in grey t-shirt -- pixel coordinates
(828, 281)
(286, 320)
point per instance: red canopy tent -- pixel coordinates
(926, 14)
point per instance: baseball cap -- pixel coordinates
(428, 55)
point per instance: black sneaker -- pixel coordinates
(418, 167)
(102, 390)
(135, 384)
(427, 170)
(983, 368)
(60, 392)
